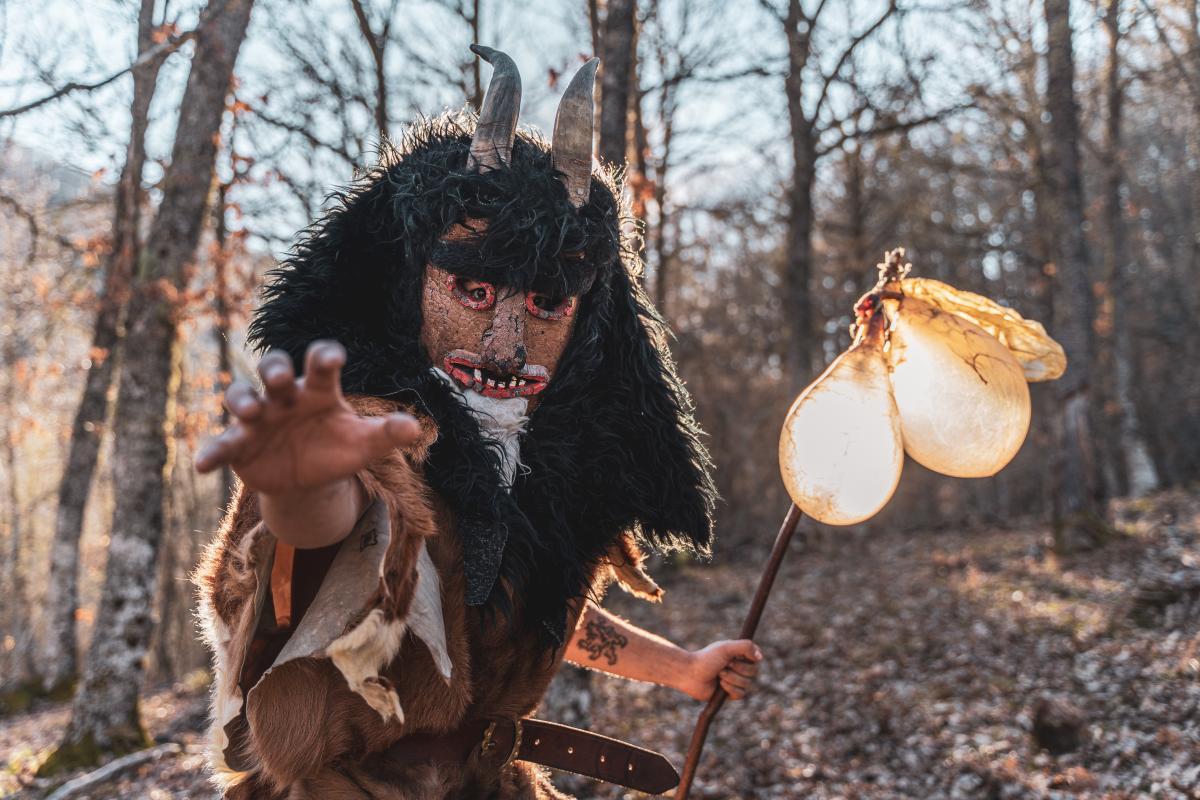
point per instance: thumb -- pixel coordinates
(388, 433)
(402, 429)
(741, 648)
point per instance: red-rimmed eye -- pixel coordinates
(476, 295)
(543, 306)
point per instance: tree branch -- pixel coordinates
(162, 50)
(1175, 58)
(303, 131)
(896, 126)
(849, 51)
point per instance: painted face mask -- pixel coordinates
(493, 339)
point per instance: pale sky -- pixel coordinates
(83, 41)
(733, 136)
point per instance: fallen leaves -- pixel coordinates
(898, 666)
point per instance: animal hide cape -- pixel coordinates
(381, 651)
(612, 446)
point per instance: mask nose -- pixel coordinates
(503, 348)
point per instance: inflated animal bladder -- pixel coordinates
(963, 400)
(841, 452)
(934, 372)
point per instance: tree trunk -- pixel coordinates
(1077, 518)
(477, 87)
(803, 355)
(221, 330)
(1134, 468)
(801, 352)
(616, 79)
(662, 165)
(58, 657)
(16, 632)
(594, 24)
(856, 201)
(377, 44)
(1193, 40)
(105, 714)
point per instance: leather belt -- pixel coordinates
(546, 743)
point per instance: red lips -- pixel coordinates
(467, 368)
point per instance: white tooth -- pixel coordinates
(520, 383)
(478, 375)
(491, 383)
(512, 383)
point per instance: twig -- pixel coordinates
(113, 768)
(1162, 36)
(896, 126)
(162, 50)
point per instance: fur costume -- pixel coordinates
(467, 556)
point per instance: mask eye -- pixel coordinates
(475, 295)
(543, 306)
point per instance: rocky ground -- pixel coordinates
(949, 664)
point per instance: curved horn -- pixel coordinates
(492, 144)
(571, 152)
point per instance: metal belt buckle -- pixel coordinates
(489, 743)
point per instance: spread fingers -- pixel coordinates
(223, 449)
(243, 402)
(385, 434)
(323, 365)
(278, 377)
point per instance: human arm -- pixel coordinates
(299, 444)
(610, 644)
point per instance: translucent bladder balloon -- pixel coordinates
(840, 452)
(1041, 358)
(962, 395)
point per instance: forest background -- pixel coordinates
(1046, 154)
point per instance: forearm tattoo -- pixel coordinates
(602, 640)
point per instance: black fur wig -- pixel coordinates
(611, 447)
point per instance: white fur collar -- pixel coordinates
(502, 419)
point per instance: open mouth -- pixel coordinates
(467, 368)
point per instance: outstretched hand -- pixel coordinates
(732, 665)
(300, 434)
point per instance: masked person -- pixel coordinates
(405, 565)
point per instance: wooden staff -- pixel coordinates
(782, 539)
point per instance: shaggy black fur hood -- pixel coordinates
(612, 445)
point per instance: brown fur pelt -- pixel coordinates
(306, 730)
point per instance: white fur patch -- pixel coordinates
(362, 652)
(227, 700)
(502, 420)
(425, 617)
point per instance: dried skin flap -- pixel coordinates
(359, 651)
(1041, 358)
(627, 567)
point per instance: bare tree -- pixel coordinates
(1132, 464)
(683, 46)
(15, 625)
(618, 51)
(816, 129)
(1076, 491)
(377, 41)
(58, 656)
(104, 716)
